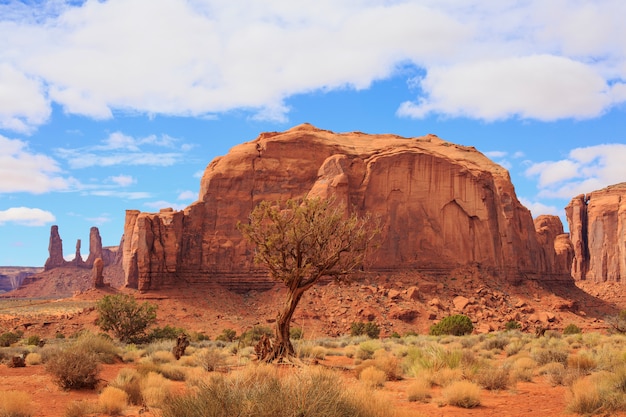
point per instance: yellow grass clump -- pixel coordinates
(155, 388)
(15, 404)
(373, 377)
(463, 394)
(419, 390)
(33, 358)
(112, 401)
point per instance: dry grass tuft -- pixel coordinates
(33, 358)
(463, 394)
(15, 404)
(112, 401)
(129, 381)
(419, 390)
(155, 388)
(373, 377)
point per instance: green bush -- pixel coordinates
(8, 338)
(572, 329)
(125, 317)
(371, 329)
(33, 340)
(456, 325)
(252, 336)
(167, 332)
(227, 335)
(296, 333)
(512, 325)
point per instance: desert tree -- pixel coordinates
(127, 319)
(301, 241)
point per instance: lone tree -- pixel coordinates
(125, 317)
(301, 241)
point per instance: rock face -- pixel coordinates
(55, 259)
(442, 206)
(558, 251)
(597, 223)
(96, 273)
(55, 250)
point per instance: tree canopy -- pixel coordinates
(300, 241)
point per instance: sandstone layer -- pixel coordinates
(442, 206)
(597, 223)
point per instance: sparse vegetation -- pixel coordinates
(16, 404)
(371, 329)
(456, 325)
(571, 329)
(74, 368)
(125, 317)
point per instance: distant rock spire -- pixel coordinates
(55, 250)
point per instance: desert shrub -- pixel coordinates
(33, 340)
(512, 325)
(370, 329)
(227, 335)
(210, 359)
(554, 372)
(463, 394)
(582, 362)
(33, 358)
(251, 337)
(571, 329)
(410, 333)
(99, 344)
(493, 378)
(389, 364)
(296, 333)
(618, 322)
(514, 347)
(155, 389)
(74, 368)
(128, 380)
(546, 355)
(523, 369)
(445, 376)
(373, 377)
(59, 335)
(127, 319)
(162, 356)
(79, 408)
(456, 325)
(112, 401)
(172, 372)
(498, 342)
(595, 393)
(260, 391)
(8, 338)
(366, 349)
(418, 390)
(16, 404)
(167, 332)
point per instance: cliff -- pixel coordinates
(442, 206)
(597, 223)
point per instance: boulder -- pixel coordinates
(597, 223)
(441, 205)
(460, 302)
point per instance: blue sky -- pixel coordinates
(121, 104)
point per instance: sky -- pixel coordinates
(121, 104)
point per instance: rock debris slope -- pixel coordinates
(442, 206)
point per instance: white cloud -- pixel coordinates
(495, 154)
(536, 208)
(130, 195)
(487, 60)
(121, 149)
(188, 195)
(123, 180)
(100, 220)
(584, 170)
(158, 205)
(543, 87)
(26, 216)
(22, 170)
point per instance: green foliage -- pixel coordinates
(512, 325)
(227, 335)
(125, 317)
(296, 333)
(33, 340)
(395, 335)
(371, 329)
(8, 338)
(59, 335)
(456, 325)
(167, 332)
(252, 336)
(572, 329)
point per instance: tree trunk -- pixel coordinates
(282, 345)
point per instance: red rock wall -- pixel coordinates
(442, 206)
(597, 223)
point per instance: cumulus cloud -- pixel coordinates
(121, 149)
(123, 180)
(584, 170)
(130, 195)
(26, 216)
(487, 60)
(22, 170)
(537, 208)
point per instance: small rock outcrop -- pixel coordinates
(95, 247)
(442, 206)
(597, 223)
(55, 259)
